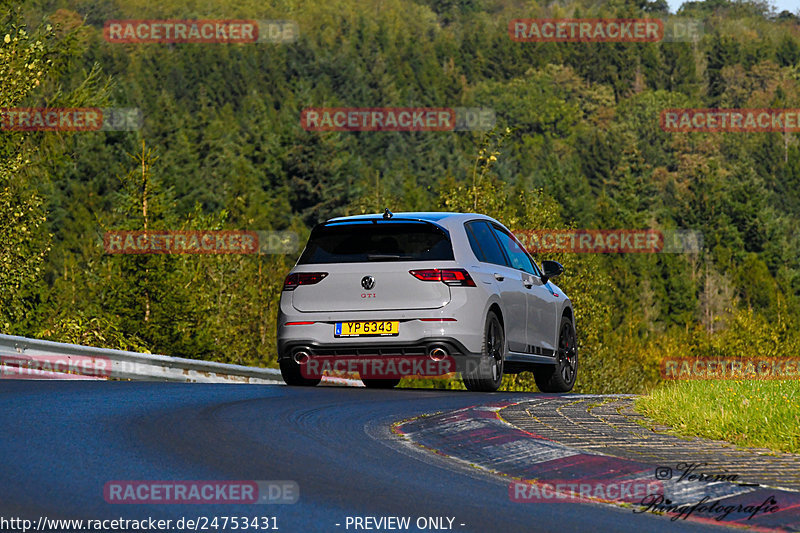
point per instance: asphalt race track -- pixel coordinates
(63, 441)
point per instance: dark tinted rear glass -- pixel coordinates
(484, 244)
(382, 241)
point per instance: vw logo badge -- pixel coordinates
(367, 282)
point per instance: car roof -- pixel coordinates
(431, 216)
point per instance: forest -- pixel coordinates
(577, 143)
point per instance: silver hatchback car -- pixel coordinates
(458, 285)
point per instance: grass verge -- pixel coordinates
(753, 413)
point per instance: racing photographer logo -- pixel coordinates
(663, 473)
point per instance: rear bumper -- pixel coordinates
(459, 325)
(458, 359)
(453, 347)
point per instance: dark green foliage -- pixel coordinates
(583, 149)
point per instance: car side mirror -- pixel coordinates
(551, 269)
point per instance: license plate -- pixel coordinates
(366, 329)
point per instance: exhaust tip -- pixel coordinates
(301, 357)
(437, 353)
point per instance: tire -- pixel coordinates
(380, 383)
(487, 376)
(293, 376)
(560, 377)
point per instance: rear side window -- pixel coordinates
(360, 242)
(483, 243)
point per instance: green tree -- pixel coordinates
(32, 63)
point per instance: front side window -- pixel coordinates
(517, 255)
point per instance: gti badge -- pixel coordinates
(367, 282)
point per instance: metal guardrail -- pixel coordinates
(23, 358)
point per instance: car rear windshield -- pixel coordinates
(349, 242)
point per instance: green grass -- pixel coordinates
(753, 413)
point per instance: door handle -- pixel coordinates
(499, 277)
(527, 284)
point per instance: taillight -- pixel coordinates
(292, 281)
(450, 276)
